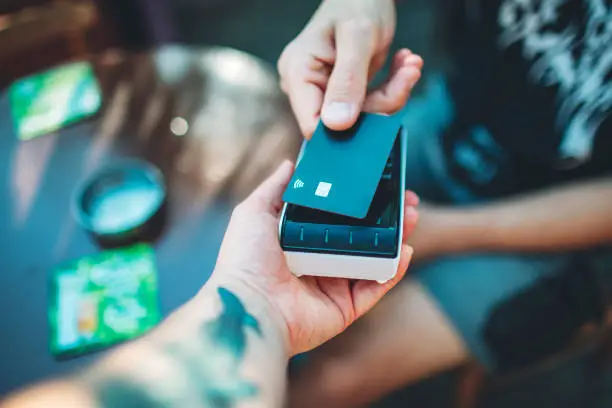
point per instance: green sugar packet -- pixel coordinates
(103, 299)
(49, 100)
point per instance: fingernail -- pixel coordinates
(404, 53)
(285, 167)
(338, 112)
(413, 60)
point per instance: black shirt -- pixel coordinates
(533, 93)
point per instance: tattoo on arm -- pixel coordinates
(211, 365)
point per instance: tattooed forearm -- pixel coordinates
(202, 370)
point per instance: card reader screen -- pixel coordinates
(383, 212)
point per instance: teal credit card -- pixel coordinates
(103, 299)
(49, 100)
(339, 172)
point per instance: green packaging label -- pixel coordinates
(103, 299)
(47, 101)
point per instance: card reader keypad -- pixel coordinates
(322, 236)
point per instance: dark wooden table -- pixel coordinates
(237, 127)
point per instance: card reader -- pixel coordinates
(319, 243)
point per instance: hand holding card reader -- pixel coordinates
(320, 242)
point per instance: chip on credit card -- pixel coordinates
(339, 171)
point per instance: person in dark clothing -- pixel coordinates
(511, 155)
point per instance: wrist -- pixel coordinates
(256, 303)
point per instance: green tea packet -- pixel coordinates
(49, 100)
(102, 300)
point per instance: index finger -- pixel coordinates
(306, 99)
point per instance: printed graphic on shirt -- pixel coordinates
(567, 44)
(479, 156)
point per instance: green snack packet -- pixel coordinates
(47, 101)
(102, 300)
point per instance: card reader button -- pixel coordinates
(360, 239)
(304, 235)
(385, 238)
(293, 234)
(337, 237)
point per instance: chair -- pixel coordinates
(42, 34)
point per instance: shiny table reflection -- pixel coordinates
(213, 120)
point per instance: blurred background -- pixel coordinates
(190, 86)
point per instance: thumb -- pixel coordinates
(367, 293)
(268, 196)
(348, 82)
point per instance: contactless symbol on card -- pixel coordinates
(298, 184)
